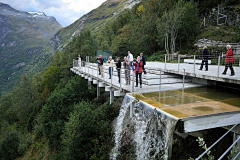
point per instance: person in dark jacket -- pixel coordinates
(205, 57)
(138, 71)
(100, 65)
(118, 65)
(143, 59)
(229, 60)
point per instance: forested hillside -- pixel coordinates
(53, 115)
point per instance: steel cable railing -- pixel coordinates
(235, 158)
(234, 143)
(205, 152)
(176, 64)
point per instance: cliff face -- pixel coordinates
(22, 37)
(229, 15)
(93, 21)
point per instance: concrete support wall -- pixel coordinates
(98, 90)
(203, 81)
(111, 96)
(89, 85)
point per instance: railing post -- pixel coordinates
(120, 79)
(98, 89)
(194, 66)
(178, 63)
(165, 61)
(218, 65)
(111, 76)
(81, 65)
(88, 66)
(183, 79)
(160, 80)
(132, 81)
(92, 68)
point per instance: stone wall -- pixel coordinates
(207, 42)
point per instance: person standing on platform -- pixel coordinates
(119, 65)
(138, 71)
(111, 65)
(127, 69)
(100, 65)
(143, 59)
(229, 60)
(130, 59)
(205, 57)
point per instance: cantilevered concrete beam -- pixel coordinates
(119, 94)
(95, 81)
(101, 84)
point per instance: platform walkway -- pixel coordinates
(191, 70)
(154, 80)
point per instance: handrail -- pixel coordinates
(235, 158)
(217, 142)
(229, 149)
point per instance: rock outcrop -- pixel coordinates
(207, 42)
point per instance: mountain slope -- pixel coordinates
(22, 37)
(93, 21)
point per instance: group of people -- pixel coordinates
(137, 65)
(229, 60)
(129, 63)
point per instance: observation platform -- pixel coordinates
(193, 111)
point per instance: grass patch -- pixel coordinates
(229, 34)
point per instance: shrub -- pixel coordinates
(9, 145)
(58, 107)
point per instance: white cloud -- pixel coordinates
(65, 11)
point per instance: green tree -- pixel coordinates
(181, 18)
(58, 107)
(9, 146)
(87, 134)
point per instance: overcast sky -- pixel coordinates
(65, 11)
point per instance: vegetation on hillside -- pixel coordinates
(23, 44)
(53, 115)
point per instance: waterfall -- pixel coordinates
(151, 135)
(119, 126)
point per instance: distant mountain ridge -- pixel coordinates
(23, 35)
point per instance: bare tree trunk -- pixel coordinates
(167, 45)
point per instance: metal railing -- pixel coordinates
(91, 68)
(193, 63)
(206, 151)
(180, 64)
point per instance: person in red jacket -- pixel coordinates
(138, 71)
(229, 60)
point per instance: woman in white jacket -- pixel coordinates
(111, 65)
